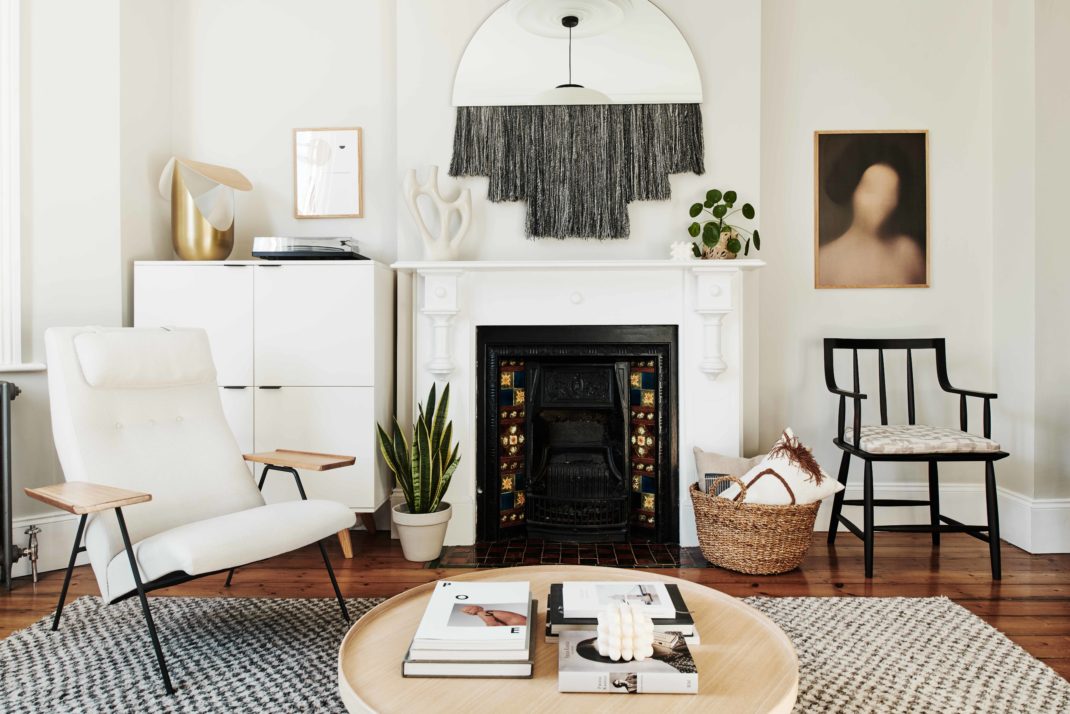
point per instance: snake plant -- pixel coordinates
(423, 470)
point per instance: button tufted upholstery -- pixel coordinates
(139, 409)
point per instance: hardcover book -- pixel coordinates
(581, 669)
(475, 616)
(587, 599)
(556, 622)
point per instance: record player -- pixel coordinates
(278, 248)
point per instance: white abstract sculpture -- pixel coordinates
(625, 633)
(441, 246)
(681, 250)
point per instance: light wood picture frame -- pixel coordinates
(871, 209)
(328, 166)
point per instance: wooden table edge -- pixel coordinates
(352, 700)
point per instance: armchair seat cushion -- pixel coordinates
(919, 439)
(228, 541)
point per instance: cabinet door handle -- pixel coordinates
(268, 265)
(228, 386)
(269, 387)
(234, 265)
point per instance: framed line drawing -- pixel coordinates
(871, 209)
(328, 173)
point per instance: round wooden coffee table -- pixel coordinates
(745, 662)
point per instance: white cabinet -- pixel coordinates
(305, 331)
(331, 420)
(305, 358)
(238, 410)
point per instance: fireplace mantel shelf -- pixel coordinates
(497, 265)
(712, 296)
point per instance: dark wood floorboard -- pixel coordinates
(1031, 605)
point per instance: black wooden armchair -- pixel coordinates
(909, 442)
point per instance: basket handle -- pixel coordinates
(779, 478)
(742, 495)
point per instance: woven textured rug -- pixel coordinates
(232, 654)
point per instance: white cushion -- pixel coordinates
(708, 463)
(140, 358)
(783, 460)
(919, 439)
(228, 541)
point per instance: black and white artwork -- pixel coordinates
(871, 209)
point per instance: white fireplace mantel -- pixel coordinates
(704, 300)
(713, 296)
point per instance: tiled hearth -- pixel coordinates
(524, 551)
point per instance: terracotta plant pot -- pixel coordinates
(422, 534)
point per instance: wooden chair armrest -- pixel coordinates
(308, 460)
(82, 497)
(970, 393)
(845, 393)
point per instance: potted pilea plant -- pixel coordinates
(423, 470)
(719, 237)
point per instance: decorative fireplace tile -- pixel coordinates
(524, 551)
(644, 455)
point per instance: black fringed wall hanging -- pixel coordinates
(578, 166)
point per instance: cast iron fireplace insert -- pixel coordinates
(576, 433)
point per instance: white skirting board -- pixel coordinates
(1034, 525)
(53, 542)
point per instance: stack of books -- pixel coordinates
(574, 607)
(581, 669)
(475, 630)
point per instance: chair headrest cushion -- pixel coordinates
(143, 358)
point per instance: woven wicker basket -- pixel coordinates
(752, 538)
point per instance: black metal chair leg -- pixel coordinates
(837, 500)
(934, 500)
(75, 550)
(334, 582)
(868, 508)
(229, 576)
(993, 520)
(144, 601)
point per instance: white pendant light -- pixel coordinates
(571, 93)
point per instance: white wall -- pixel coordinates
(1052, 252)
(246, 73)
(840, 64)
(144, 135)
(1014, 214)
(70, 155)
(725, 38)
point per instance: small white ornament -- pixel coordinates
(681, 250)
(441, 246)
(625, 633)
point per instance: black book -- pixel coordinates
(556, 622)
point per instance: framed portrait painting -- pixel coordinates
(328, 173)
(871, 209)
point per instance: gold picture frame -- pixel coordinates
(842, 158)
(328, 172)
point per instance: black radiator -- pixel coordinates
(8, 392)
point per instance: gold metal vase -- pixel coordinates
(185, 182)
(192, 236)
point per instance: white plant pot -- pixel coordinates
(422, 534)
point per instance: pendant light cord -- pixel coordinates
(570, 55)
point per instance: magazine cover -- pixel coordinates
(587, 599)
(581, 669)
(466, 615)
